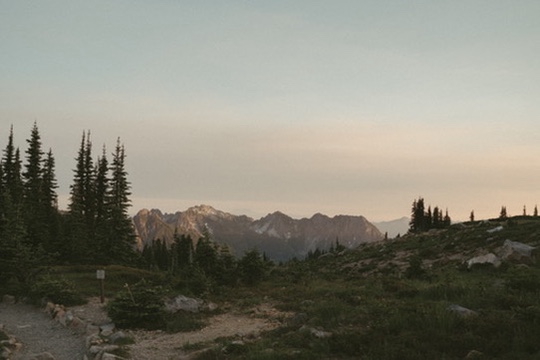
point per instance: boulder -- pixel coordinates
(183, 303)
(61, 317)
(107, 356)
(41, 356)
(118, 337)
(495, 229)
(461, 311)
(474, 354)
(484, 259)
(516, 251)
(319, 334)
(107, 329)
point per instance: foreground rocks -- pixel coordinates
(102, 339)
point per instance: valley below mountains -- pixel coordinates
(277, 235)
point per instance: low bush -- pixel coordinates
(138, 306)
(57, 290)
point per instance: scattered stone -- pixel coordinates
(93, 339)
(319, 334)
(210, 306)
(461, 311)
(49, 308)
(61, 317)
(92, 329)
(107, 356)
(484, 259)
(496, 229)
(474, 354)
(41, 356)
(107, 329)
(77, 325)
(118, 337)
(183, 303)
(110, 348)
(516, 251)
(94, 350)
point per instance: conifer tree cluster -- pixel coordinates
(33, 232)
(101, 229)
(423, 219)
(206, 261)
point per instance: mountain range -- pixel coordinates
(394, 227)
(278, 235)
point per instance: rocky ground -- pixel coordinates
(38, 333)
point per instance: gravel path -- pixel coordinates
(39, 333)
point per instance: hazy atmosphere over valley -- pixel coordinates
(338, 107)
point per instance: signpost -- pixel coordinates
(100, 274)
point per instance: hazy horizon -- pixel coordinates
(344, 107)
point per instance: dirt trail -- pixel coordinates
(38, 333)
(162, 346)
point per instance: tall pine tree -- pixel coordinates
(34, 198)
(78, 232)
(121, 241)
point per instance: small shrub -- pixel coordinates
(138, 306)
(56, 289)
(415, 269)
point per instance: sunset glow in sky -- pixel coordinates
(339, 107)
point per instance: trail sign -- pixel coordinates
(100, 274)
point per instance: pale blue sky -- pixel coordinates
(340, 107)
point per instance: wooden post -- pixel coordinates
(100, 274)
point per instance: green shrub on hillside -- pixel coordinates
(138, 306)
(57, 290)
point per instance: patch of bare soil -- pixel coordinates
(157, 345)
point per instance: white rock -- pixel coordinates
(484, 259)
(183, 303)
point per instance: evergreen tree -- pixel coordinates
(184, 248)
(429, 218)
(471, 217)
(503, 214)
(447, 220)
(535, 213)
(418, 217)
(2, 201)
(252, 267)
(436, 218)
(11, 171)
(50, 203)
(121, 240)
(102, 213)
(206, 256)
(34, 207)
(78, 231)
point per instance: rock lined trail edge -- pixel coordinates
(39, 333)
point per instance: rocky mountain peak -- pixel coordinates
(278, 235)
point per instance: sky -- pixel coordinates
(302, 106)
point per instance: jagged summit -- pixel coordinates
(278, 235)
